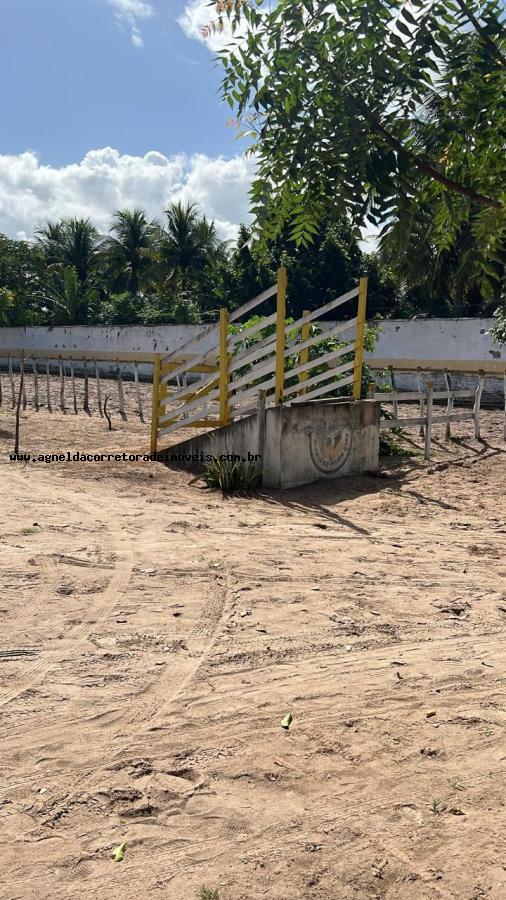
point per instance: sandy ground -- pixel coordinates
(164, 634)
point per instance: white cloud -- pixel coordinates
(198, 15)
(105, 180)
(131, 12)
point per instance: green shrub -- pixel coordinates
(230, 477)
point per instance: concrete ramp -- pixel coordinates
(294, 445)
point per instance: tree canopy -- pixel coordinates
(388, 111)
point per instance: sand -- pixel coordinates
(170, 630)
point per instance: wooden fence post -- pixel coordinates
(280, 337)
(261, 428)
(73, 381)
(224, 405)
(48, 388)
(18, 404)
(504, 435)
(62, 386)
(420, 388)
(305, 332)
(359, 341)
(121, 396)
(394, 389)
(35, 383)
(477, 405)
(99, 393)
(138, 392)
(449, 405)
(428, 421)
(155, 404)
(11, 378)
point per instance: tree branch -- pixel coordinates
(496, 52)
(422, 164)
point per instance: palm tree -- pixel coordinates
(70, 243)
(186, 246)
(127, 252)
(69, 298)
(50, 240)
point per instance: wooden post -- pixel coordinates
(1, 396)
(477, 405)
(73, 380)
(62, 385)
(394, 388)
(224, 405)
(138, 392)
(280, 337)
(261, 428)
(428, 421)
(11, 378)
(504, 434)
(420, 388)
(24, 391)
(359, 340)
(86, 401)
(155, 404)
(305, 332)
(121, 396)
(99, 392)
(35, 384)
(48, 388)
(449, 405)
(18, 405)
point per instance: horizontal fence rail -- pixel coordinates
(426, 396)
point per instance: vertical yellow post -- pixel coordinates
(359, 342)
(155, 404)
(280, 337)
(305, 331)
(224, 407)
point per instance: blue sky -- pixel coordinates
(107, 103)
(71, 79)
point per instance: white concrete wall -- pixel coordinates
(414, 338)
(143, 338)
(438, 339)
(420, 338)
(451, 339)
(121, 338)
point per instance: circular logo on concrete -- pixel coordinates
(330, 450)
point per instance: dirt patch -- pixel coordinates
(154, 635)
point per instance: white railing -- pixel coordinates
(426, 419)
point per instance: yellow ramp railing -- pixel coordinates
(233, 368)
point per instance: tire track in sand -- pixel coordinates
(115, 541)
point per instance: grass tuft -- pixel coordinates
(390, 447)
(205, 893)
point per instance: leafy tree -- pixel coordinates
(499, 327)
(7, 303)
(380, 109)
(21, 272)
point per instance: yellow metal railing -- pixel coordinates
(264, 360)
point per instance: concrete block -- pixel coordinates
(309, 441)
(302, 443)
